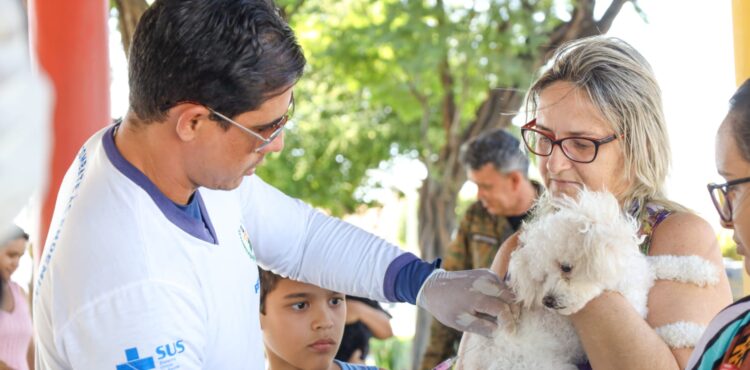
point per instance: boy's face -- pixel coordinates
(302, 326)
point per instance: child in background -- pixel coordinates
(302, 324)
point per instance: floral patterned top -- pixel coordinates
(649, 217)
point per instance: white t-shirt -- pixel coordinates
(127, 281)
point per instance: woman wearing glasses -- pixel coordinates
(726, 342)
(598, 123)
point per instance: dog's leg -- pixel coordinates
(681, 334)
(684, 269)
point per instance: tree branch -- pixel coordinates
(447, 82)
(605, 22)
(582, 24)
(129, 13)
(288, 12)
(424, 124)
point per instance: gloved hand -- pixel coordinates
(477, 301)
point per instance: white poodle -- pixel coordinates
(570, 252)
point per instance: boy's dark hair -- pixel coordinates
(230, 55)
(739, 110)
(497, 147)
(268, 282)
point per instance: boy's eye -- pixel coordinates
(299, 306)
(336, 301)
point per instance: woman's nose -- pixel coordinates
(557, 161)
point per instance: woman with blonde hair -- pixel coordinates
(598, 123)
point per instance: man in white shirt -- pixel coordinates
(159, 223)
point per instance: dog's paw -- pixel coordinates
(681, 334)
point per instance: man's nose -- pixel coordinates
(274, 146)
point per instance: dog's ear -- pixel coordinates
(524, 275)
(612, 240)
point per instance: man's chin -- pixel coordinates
(251, 171)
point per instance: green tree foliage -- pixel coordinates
(392, 77)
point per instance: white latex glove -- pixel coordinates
(477, 301)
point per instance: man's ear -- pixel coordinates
(189, 120)
(516, 178)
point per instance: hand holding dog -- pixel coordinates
(476, 301)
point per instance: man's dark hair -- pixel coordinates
(230, 55)
(739, 111)
(268, 282)
(497, 147)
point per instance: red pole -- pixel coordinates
(70, 39)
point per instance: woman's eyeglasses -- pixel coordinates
(720, 197)
(576, 148)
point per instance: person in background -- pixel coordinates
(496, 163)
(302, 325)
(365, 319)
(16, 344)
(726, 342)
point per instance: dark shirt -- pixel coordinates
(357, 335)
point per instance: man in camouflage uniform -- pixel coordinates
(496, 163)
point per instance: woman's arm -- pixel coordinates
(616, 337)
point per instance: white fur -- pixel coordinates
(600, 245)
(681, 334)
(685, 269)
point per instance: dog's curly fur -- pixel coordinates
(570, 252)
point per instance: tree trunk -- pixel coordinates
(129, 12)
(436, 220)
(438, 197)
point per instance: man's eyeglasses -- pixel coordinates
(576, 148)
(720, 197)
(266, 133)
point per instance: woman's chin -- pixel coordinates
(568, 191)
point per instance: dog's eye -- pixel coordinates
(566, 268)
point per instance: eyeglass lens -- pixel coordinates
(577, 149)
(722, 203)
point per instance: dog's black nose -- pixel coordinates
(549, 301)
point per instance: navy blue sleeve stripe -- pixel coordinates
(411, 277)
(391, 274)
